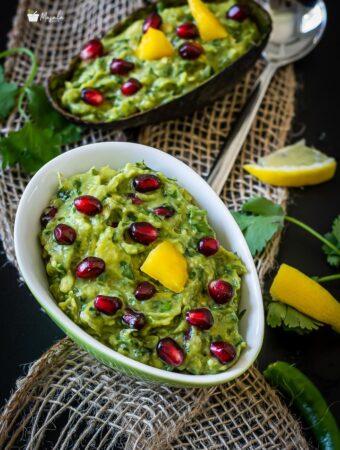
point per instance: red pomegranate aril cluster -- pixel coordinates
(92, 49)
(121, 66)
(64, 234)
(134, 319)
(90, 267)
(190, 50)
(187, 30)
(107, 305)
(145, 290)
(143, 232)
(154, 20)
(92, 96)
(223, 351)
(47, 215)
(208, 246)
(220, 291)
(170, 352)
(146, 183)
(134, 199)
(164, 211)
(130, 87)
(200, 318)
(238, 13)
(87, 204)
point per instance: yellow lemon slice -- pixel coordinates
(293, 166)
(294, 288)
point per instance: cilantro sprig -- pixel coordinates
(289, 318)
(44, 131)
(260, 219)
(333, 257)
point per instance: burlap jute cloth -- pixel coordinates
(70, 401)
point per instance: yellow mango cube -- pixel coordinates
(154, 45)
(167, 265)
(208, 25)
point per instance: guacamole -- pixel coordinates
(132, 260)
(159, 80)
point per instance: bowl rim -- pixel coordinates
(43, 296)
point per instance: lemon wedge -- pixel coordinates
(296, 289)
(293, 166)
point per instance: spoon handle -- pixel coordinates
(232, 146)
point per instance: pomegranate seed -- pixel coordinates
(92, 96)
(164, 211)
(223, 351)
(107, 305)
(130, 87)
(47, 215)
(190, 50)
(92, 49)
(146, 183)
(134, 319)
(121, 66)
(134, 199)
(90, 267)
(238, 13)
(208, 246)
(86, 204)
(64, 234)
(144, 291)
(170, 352)
(220, 291)
(154, 20)
(143, 232)
(200, 317)
(187, 30)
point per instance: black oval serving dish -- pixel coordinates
(206, 93)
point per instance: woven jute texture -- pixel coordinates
(69, 400)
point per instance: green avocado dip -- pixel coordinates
(132, 260)
(159, 80)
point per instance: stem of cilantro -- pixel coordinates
(327, 278)
(30, 78)
(313, 232)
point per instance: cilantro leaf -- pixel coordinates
(243, 220)
(31, 147)
(290, 319)
(43, 115)
(8, 93)
(259, 220)
(333, 258)
(261, 231)
(263, 207)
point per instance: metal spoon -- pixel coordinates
(297, 29)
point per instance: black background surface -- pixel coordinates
(26, 331)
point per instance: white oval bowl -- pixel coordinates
(116, 154)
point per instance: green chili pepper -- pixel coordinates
(307, 399)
